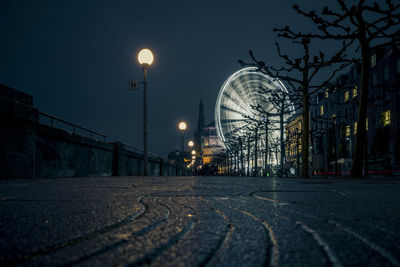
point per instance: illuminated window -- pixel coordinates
(347, 130)
(326, 93)
(366, 124)
(386, 118)
(322, 110)
(373, 60)
(355, 89)
(346, 96)
(355, 128)
(299, 127)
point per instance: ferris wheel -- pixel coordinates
(236, 100)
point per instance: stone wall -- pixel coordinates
(29, 149)
(61, 154)
(18, 120)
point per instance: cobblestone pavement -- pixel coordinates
(196, 221)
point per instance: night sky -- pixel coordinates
(76, 58)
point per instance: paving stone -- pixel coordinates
(197, 221)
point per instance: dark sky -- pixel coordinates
(76, 58)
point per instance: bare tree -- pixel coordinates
(300, 74)
(281, 108)
(369, 24)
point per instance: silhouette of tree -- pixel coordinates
(281, 102)
(300, 74)
(368, 24)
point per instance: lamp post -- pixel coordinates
(145, 58)
(191, 145)
(182, 127)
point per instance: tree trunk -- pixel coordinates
(256, 152)
(230, 165)
(306, 113)
(234, 164)
(276, 157)
(281, 138)
(334, 146)
(358, 158)
(266, 148)
(241, 158)
(298, 154)
(306, 134)
(248, 158)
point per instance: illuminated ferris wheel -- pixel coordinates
(242, 91)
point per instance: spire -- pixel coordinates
(200, 125)
(201, 106)
(201, 121)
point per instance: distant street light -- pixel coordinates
(193, 152)
(145, 58)
(182, 126)
(191, 143)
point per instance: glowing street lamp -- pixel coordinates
(182, 127)
(193, 152)
(145, 58)
(191, 143)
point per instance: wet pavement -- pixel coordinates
(197, 221)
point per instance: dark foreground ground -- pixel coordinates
(195, 221)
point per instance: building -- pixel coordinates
(212, 146)
(293, 142)
(210, 155)
(334, 115)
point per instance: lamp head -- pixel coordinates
(145, 56)
(182, 126)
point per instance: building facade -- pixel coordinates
(210, 155)
(293, 142)
(334, 116)
(212, 146)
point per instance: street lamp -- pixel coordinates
(191, 143)
(182, 127)
(145, 58)
(193, 152)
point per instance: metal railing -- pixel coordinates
(133, 148)
(53, 119)
(139, 150)
(92, 134)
